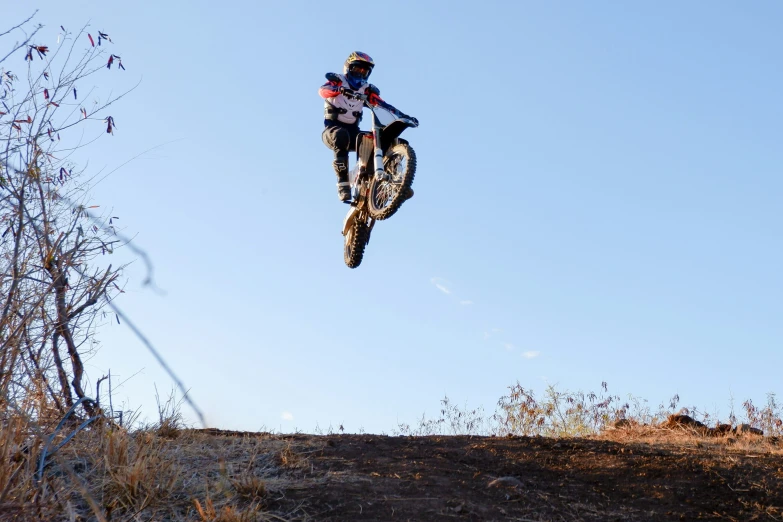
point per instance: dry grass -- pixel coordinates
(290, 459)
(685, 437)
(108, 474)
(136, 472)
(252, 513)
(170, 422)
(23, 430)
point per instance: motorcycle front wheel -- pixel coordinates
(355, 240)
(386, 196)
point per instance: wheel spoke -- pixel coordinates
(386, 191)
(381, 196)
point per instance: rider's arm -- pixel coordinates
(374, 95)
(331, 88)
(374, 99)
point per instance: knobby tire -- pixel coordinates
(380, 211)
(355, 241)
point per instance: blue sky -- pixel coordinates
(597, 199)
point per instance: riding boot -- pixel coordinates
(343, 186)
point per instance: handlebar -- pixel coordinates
(350, 93)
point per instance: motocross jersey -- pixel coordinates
(340, 108)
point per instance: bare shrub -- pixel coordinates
(453, 420)
(768, 419)
(51, 284)
(558, 414)
(562, 413)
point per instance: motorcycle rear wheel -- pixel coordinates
(385, 197)
(354, 242)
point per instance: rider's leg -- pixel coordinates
(340, 165)
(339, 140)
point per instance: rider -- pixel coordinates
(342, 114)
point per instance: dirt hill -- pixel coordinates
(633, 474)
(660, 476)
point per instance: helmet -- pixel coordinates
(357, 69)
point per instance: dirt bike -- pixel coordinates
(381, 179)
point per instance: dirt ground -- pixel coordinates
(370, 477)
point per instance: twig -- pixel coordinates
(45, 450)
(160, 360)
(98, 389)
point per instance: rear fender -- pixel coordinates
(349, 219)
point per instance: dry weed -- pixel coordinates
(138, 474)
(289, 459)
(249, 486)
(209, 513)
(170, 421)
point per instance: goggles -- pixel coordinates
(360, 70)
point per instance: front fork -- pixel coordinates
(380, 173)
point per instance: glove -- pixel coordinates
(334, 78)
